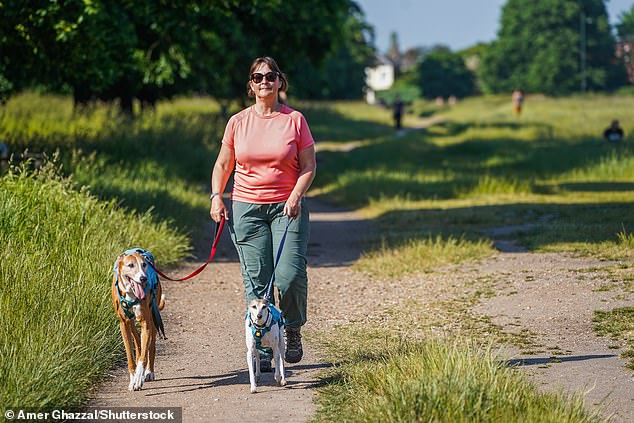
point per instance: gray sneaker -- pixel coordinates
(294, 352)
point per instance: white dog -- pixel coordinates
(264, 327)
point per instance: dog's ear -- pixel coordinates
(119, 262)
(265, 302)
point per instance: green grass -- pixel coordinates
(619, 325)
(435, 192)
(435, 379)
(396, 258)
(481, 168)
(58, 334)
(160, 160)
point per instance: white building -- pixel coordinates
(380, 77)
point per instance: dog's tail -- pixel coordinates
(161, 303)
(158, 321)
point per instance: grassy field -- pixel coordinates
(482, 168)
(161, 160)
(436, 194)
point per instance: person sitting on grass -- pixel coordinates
(614, 133)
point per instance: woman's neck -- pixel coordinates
(266, 107)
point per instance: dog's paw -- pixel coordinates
(254, 389)
(138, 377)
(150, 376)
(280, 380)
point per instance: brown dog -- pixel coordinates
(137, 295)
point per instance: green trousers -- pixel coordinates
(256, 231)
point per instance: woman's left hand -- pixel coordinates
(293, 207)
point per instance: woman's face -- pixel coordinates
(265, 88)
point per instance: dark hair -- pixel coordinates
(273, 65)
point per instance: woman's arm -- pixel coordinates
(222, 170)
(307, 168)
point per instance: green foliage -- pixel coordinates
(443, 73)
(58, 333)
(407, 93)
(625, 27)
(342, 73)
(150, 50)
(539, 44)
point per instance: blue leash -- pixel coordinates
(269, 288)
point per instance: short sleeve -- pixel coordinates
(305, 137)
(227, 138)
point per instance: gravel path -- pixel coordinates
(202, 366)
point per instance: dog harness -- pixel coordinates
(150, 286)
(275, 318)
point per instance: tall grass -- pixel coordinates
(438, 380)
(57, 245)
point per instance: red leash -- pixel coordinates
(219, 229)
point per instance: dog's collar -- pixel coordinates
(275, 317)
(126, 304)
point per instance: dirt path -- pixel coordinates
(202, 366)
(554, 296)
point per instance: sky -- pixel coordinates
(455, 23)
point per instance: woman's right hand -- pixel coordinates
(218, 210)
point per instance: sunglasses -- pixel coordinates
(257, 77)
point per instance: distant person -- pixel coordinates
(518, 99)
(614, 133)
(397, 109)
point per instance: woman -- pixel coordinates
(273, 152)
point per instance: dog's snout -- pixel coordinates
(143, 279)
(259, 315)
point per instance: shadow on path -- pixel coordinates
(517, 362)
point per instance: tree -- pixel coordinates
(149, 49)
(625, 27)
(625, 48)
(443, 73)
(342, 74)
(552, 46)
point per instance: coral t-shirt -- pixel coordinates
(267, 153)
